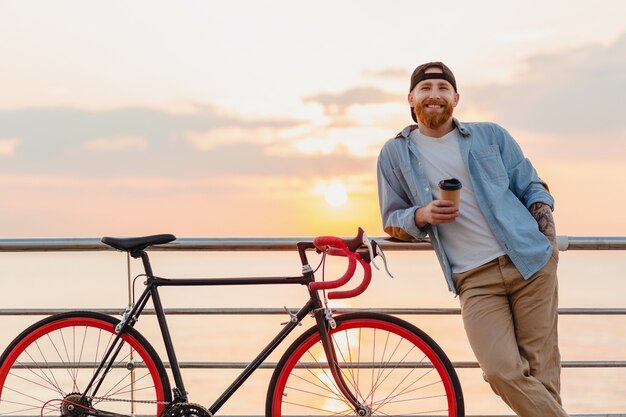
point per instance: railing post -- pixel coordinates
(132, 356)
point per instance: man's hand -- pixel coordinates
(436, 212)
(543, 214)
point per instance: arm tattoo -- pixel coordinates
(543, 214)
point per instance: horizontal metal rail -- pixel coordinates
(304, 365)
(421, 415)
(440, 415)
(456, 364)
(281, 311)
(269, 244)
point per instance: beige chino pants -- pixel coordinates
(511, 324)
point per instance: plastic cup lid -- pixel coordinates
(450, 184)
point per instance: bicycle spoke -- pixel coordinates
(121, 393)
(316, 394)
(353, 383)
(116, 390)
(385, 369)
(69, 369)
(43, 375)
(82, 347)
(333, 413)
(391, 395)
(109, 375)
(384, 365)
(17, 412)
(323, 385)
(23, 394)
(97, 357)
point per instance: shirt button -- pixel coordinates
(427, 189)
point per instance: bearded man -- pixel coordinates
(497, 248)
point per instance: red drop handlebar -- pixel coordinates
(335, 246)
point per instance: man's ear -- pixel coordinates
(410, 99)
(456, 99)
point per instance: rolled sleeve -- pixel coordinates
(397, 211)
(524, 181)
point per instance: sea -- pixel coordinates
(86, 280)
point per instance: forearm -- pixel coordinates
(543, 214)
(396, 208)
(420, 220)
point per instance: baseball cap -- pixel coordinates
(419, 74)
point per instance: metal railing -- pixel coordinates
(269, 244)
(288, 244)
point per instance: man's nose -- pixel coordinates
(435, 93)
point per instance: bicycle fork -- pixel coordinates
(323, 325)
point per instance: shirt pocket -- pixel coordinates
(489, 165)
(405, 175)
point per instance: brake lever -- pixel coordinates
(380, 252)
(375, 250)
(367, 242)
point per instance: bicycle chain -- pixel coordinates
(119, 400)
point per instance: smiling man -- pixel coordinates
(497, 247)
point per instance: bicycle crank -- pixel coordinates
(186, 410)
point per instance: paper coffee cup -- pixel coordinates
(450, 189)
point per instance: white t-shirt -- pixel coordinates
(468, 241)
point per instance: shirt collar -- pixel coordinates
(407, 130)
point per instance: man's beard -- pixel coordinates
(433, 120)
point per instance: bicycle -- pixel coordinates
(83, 363)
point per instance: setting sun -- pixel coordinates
(336, 193)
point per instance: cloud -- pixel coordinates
(116, 143)
(578, 92)
(65, 140)
(173, 156)
(255, 160)
(307, 146)
(141, 141)
(338, 103)
(147, 183)
(351, 142)
(215, 138)
(7, 146)
(393, 73)
(48, 132)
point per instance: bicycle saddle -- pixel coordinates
(135, 244)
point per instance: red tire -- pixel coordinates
(45, 370)
(390, 365)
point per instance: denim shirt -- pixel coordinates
(505, 183)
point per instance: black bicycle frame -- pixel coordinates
(314, 305)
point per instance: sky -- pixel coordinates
(265, 118)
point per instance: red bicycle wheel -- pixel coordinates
(46, 369)
(390, 365)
